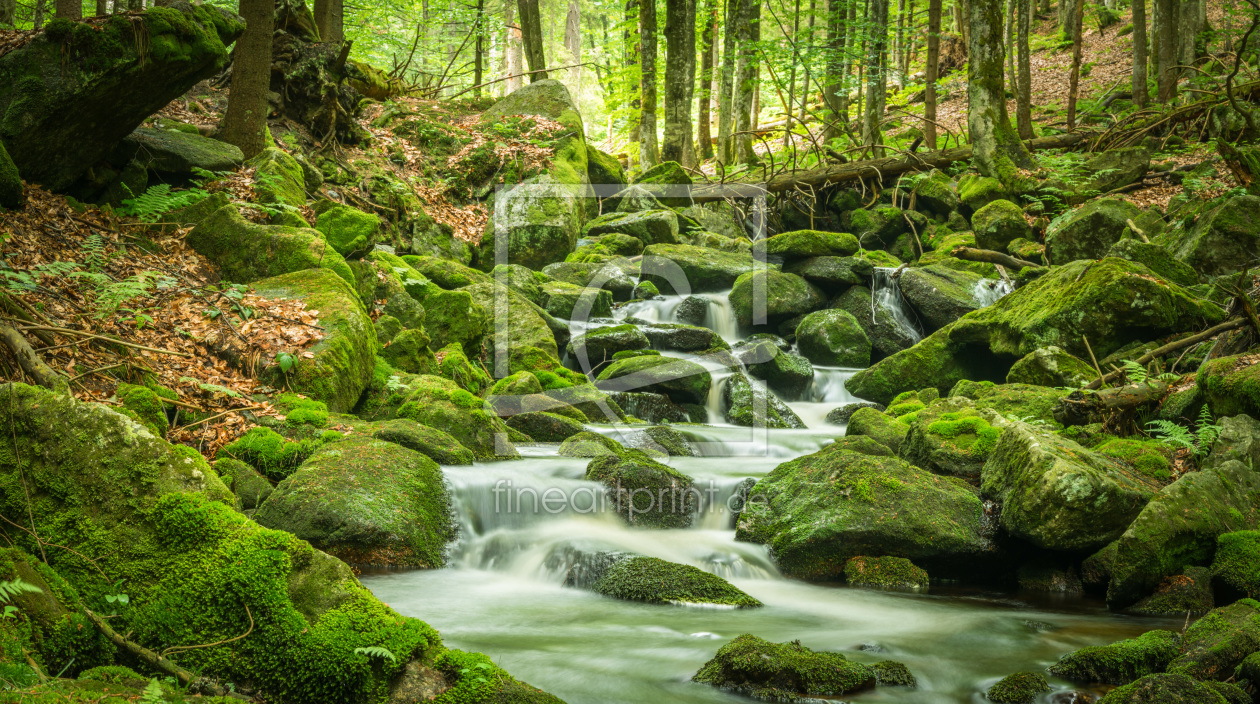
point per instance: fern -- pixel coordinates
(110, 296)
(376, 652)
(152, 693)
(19, 281)
(94, 252)
(1207, 431)
(14, 587)
(1199, 441)
(1134, 372)
(159, 200)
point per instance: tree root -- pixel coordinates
(30, 362)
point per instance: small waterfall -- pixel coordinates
(829, 385)
(886, 294)
(721, 317)
(988, 291)
(718, 317)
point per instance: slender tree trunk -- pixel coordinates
(964, 16)
(531, 31)
(894, 64)
(708, 55)
(997, 149)
(677, 60)
(1189, 24)
(513, 49)
(908, 50)
(850, 68)
(791, 93)
(648, 155)
(1012, 79)
(805, 81)
(689, 142)
(1023, 86)
(8, 11)
(245, 124)
(331, 20)
(573, 43)
(135, 5)
(69, 9)
(37, 20)
(1140, 94)
(746, 82)
(1074, 77)
(479, 49)
(833, 96)
(102, 9)
(630, 38)
(726, 97)
(931, 72)
(876, 77)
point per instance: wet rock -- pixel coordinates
(1089, 231)
(841, 415)
(600, 344)
(881, 428)
(433, 443)
(542, 426)
(785, 296)
(649, 227)
(951, 437)
(887, 336)
(681, 380)
(655, 581)
(1019, 688)
(1120, 662)
(693, 310)
(1051, 366)
(833, 337)
(788, 374)
(940, 295)
(651, 407)
(885, 573)
(658, 440)
(752, 667)
(832, 273)
(684, 269)
(589, 444)
(749, 404)
(1166, 689)
(643, 491)
(682, 338)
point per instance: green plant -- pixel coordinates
(1199, 441)
(159, 200)
(12, 588)
(152, 693)
(376, 652)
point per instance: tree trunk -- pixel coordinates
(69, 9)
(726, 100)
(1074, 77)
(513, 58)
(746, 82)
(689, 142)
(1166, 56)
(245, 124)
(708, 53)
(1023, 87)
(102, 9)
(876, 77)
(630, 38)
(37, 20)
(998, 149)
(835, 84)
(573, 43)
(135, 5)
(1189, 24)
(8, 11)
(648, 156)
(677, 60)
(479, 49)
(931, 72)
(1140, 94)
(908, 51)
(531, 36)
(895, 64)
(805, 81)
(1012, 79)
(791, 91)
(333, 27)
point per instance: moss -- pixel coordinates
(878, 426)
(890, 673)
(473, 678)
(517, 384)
(350, 231)
(802, 244)
(1216, 644)
(454, 365)
(1187, 593)
(1165, 689)
(302, 411)
(250, 487)
(1231, 386)
(885, 573)
(270, 453)
(659, 582)
(147, 406)
(900, 409)
(10, 181)
(1237, 562)
(754, 667)
(1019, 688)
(279, 182)
(682, 380)
(643, 491)
(1148, 457)
(1120, 662)
(786, 296)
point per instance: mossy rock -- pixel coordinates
(10, 182)
(599, 344)
(1051, 366)
(757, 668)
(443, 272)
(1166, 689)
(649, 227)
(1236, 564)
(453, 364)
(540, 219)
(818, 511)
(1150, 458)
(659, 439)
(1218, 643)
(337, 368)
(668, 182)
(438, 446)
(280, 182)
(885, 573)
(1031, 404)
(680, 337)
(270, 452)
(685, 269)
(751, 405)
(1157, 259)
(1231, 385)
(643, 491)
(569, 302)
(656, 581)
(409, 351)
(245, 252)
(517, 384)
(833, 337)
(975, 192)
(1221, 240)
(951, 437)
(999, 223)
(785, 296)
(1059, 496)
(832, 273)
(606, 248)
(1019, 688)
(940, 295)
(604, 169)
(590, 444)
(440, 403)
(935, 193)
(1187, 593)
(941, 254)
(886, 334)
(177, 152)
(455, 317)
(542, 426)
(527, 324)
(146, 405)
(682, 380)
(350, 231)
(803, 244)
(1089, 231)
(1121, 662)
(250, 487)
(883, 429)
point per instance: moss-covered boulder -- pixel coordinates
(1122, 661)
(1231, 385)
(874, 424)
(250, 487)
(10, 182)
(590, 444)
(832, 274)
(749, 404)
(682, 380)
(757, 668)
(540, 219)
(887, 335)
(940, 295)
(997, 224)
(803, 244)
(1187, 593)
(1180, 527)
(975, 192)
(1221, 241)
(1168, 689)
(603, 168)
(350, 231)
(787, 374)
(817, 511)
(643, 491)
(368, 502)
(1156, 258)
(668, 182)
(659, 582)
(615, 275)
(885, 573)
(542, 426)
(1051, 366)
(175, 152)
(92, 85)
(1236, 565)
(1216, 644)
(527, 325)
(338, 367)
(951, 437)
(770, 297)
(606, 248)
(1089, 231)
(684, 269)
(649, 227)
(270, 452)
(197, 572)
(443, 272)
(1031, 404)
(245, 252)
(439, 403)
(1059, 496)
(934, 193)
(833, 337)
(433, 443)
(280, 182)
(1019, 688)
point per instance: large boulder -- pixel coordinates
(1059, 496)
(1051, 366)
(280, 182)
(1230, 385)
(770, 297)
(756, 668)
(1222, 241)
(527, 325)
(600, 344)
(656, 581)
(1088, 231)
(1120, 662)
(641, 490)
(1181, 524)
(440, 403)
(804, 244)
(887, 335)
(748, 403)
(1114, 168)
(951, 437)
(684, 269)
(1218, 643)
(787, 374)
(682, 380)
(177, 153)
(350, 231)
(680, 337)
(649, 227)
(91, 84)
(940, 295)
(817, 511)
(999, 223)
(1165, 688)
(832, 273)
(245, 251)
(878, 426)
(337, 368)
(368, 502)
(833, 337)
(1156, 258)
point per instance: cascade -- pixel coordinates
(988, 291)
(886, 294)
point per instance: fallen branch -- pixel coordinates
(28, 360)
(147, 656)
(989, 256)
(80, 333)
(1080, 408)
(1173, 347)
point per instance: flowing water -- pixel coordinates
(886, 294)
(525, 525)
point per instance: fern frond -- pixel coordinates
(1134, 372)
(111, 296)
(1172, 434)
(158, 200)
(376, 652)
(14, 587)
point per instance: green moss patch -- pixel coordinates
(757, 668)
(659, 582)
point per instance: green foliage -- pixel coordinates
(376, 652)
(13, 588)
(1199, 441)
(158, 200)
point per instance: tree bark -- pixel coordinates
(708, 52)
(791, 91)
(680, 38)
(1166, 57)
(69, 9)
(479, 57)
(102, 9)
(531, 36)
(630, 38)
(726, 89)
(28, 360)
(746, 81)
(37, 20)
(333, 29)
(648, 154)
(899, 45)
(931, 72)
(573, 43)
(835, 83)
(513, 51)
(245, 124)
(1140, 94)
(1012, 79)
(989, 256)
(1189, 24)
(876, 77)
(998, 149)
(1074, 76)
(8, 12)
(1023, 89)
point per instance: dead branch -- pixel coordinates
(1173, 347)
(989, 256)
(30, 362)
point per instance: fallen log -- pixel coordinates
(989, 256)
(877, 168)
(1081, 408)
(29, 361)
(1172, 347)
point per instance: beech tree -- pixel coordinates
(746, 79)
(245, 123)
(931, 71)
(877, 76)
(1023, 86)
(648, 155)
(708, 61)
(330, 20)
(680, 51)
(532, 38)
(996, 148)
(726, 87)
(68, 9)
(1140, 69)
